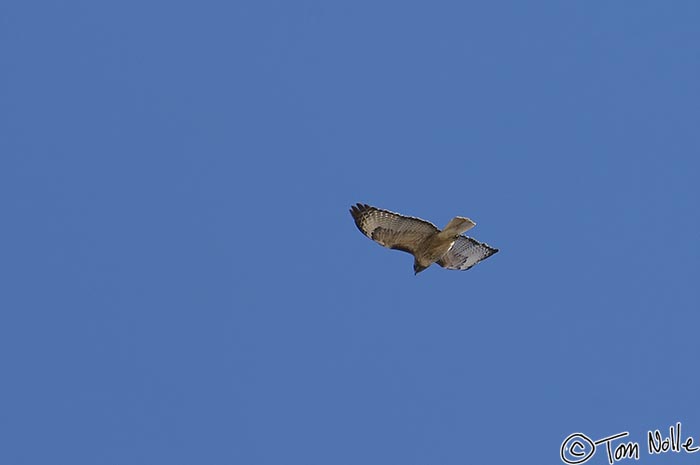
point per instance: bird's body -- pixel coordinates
(428, 244)
(433, 247)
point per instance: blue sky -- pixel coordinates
(182, 282)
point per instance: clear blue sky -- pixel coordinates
(181, 281)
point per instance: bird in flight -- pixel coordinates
(422, 239)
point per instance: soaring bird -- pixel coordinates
(422, 239)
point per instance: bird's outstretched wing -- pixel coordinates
(465, 253)
(391, 229)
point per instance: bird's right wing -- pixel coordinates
(392, 229)
(465, 253)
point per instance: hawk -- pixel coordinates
(422, 239)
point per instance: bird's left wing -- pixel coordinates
(465, 253)
(392, 229)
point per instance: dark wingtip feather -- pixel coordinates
(359, 208)
(357, 211)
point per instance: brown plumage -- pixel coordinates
(422, 239)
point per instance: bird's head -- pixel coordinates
(417, 268)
